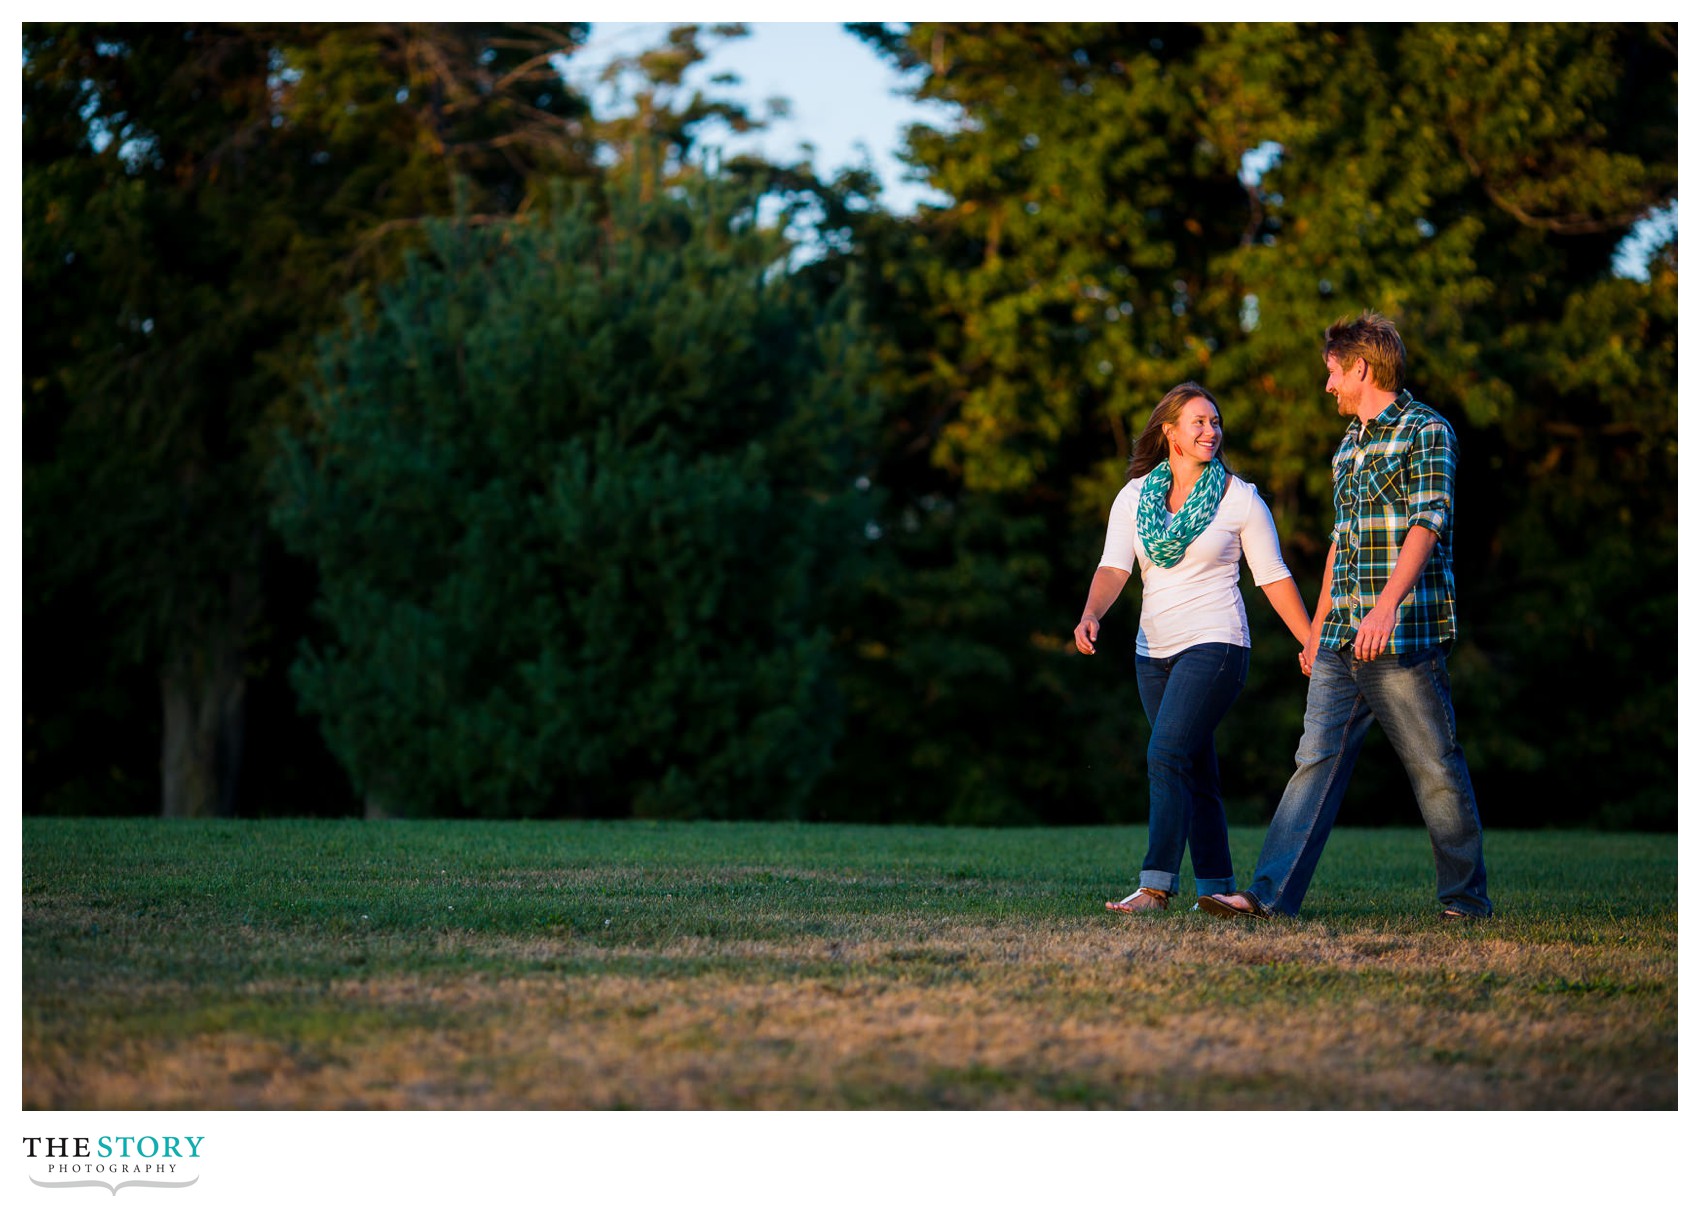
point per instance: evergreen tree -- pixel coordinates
(575, 495)
(938, 636)
(197, 198)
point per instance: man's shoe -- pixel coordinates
(1217, 904)
(1457, 916)
(1146, 900)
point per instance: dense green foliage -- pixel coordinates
(575, 497)
(197, 199)
(1107, 239)
(1131, 205)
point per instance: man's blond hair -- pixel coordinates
(1373, 338)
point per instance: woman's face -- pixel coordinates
(1196, 432)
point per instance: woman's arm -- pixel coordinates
(1107, 585)
(1262, 546)
(1289, 603)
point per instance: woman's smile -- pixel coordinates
(1196, 432)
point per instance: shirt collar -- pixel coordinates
(1389, 415)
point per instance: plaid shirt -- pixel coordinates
(1390, 475)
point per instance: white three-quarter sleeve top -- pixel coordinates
(1197, 601)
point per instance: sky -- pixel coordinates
(844, 98)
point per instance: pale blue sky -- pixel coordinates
(844, 98)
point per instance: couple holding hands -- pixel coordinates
(1374, 650)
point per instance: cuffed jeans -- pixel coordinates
(1410, 695)
(1185, 696)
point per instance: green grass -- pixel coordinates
(295, 964)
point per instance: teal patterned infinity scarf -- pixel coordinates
(1165, 541)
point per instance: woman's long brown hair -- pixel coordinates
(1152, 447)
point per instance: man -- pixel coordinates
(1378, 643)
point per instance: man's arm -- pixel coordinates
(1377, 627)
(1324, 603)
(1433, 459)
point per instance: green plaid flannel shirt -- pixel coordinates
(1390, 475)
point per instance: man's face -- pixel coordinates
(1346, 386)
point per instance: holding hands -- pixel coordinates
(1313, 641)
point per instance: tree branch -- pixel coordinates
(1560, 225)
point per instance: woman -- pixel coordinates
(1183, 519)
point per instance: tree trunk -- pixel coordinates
(202, 689)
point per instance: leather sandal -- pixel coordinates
(1146, 900)
(1216, 906)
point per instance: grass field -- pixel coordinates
(294, 964)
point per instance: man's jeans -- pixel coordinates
(1185, 697)
(1411, 696)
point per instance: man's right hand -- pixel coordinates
(1086, 634)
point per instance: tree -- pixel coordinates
(196, 197)
(1479, 196)
(1108, 237)
(660, 137)
(575, 495)
(1032, 322)
(938, 634)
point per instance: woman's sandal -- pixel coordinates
(1146, 900)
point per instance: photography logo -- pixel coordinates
(114, 1162)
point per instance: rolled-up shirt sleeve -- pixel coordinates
(1261, 544)
(1433, 463)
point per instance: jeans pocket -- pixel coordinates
(1430, 656)
(1235, 665)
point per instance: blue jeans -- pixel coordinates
(1411, 696)
(1185, 697)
